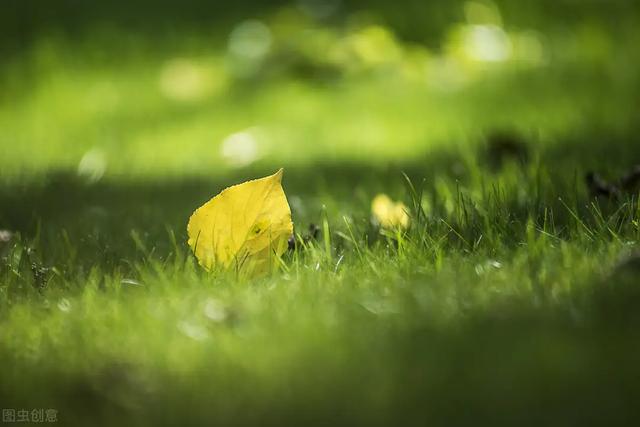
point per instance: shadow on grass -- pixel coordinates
(98, 219)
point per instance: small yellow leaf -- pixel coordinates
(390, 214)
(243, 229)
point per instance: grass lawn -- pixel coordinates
(513, 298)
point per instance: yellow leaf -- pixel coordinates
(243, 229)
(390, 214)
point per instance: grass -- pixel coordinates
(512, 298)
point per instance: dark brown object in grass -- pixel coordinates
(598, 187)
(630, 183)
(313, 233)
(506, 146)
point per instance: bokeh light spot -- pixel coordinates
(241, 148)
(92, 165)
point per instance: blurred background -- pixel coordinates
(199, 87)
